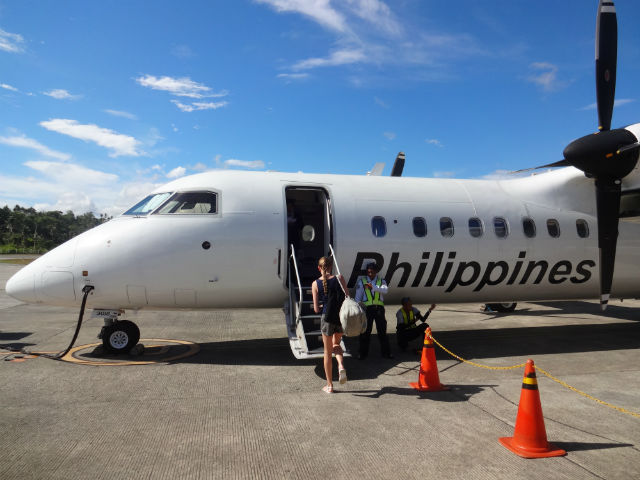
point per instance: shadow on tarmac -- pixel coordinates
(529, 341)
(11, 337)
(582, 446)
(473, 344)
(458, 393)
(578, 308)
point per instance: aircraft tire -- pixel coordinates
(120, 337)
(503, 307)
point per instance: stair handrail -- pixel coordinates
(295, 265)
(335, 259)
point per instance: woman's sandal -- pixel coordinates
(327, 389)
(342, 376)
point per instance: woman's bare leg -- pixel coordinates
(339, 357)
(328, 361)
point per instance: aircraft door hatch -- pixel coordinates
(308, 228)
(309, 232)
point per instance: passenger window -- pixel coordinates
(553, 228)
(378, 226)
(419, 227)
(308, 233)
(446, 227)
(582, 227)
(475, 227)
(529, 227)
(500, 227)
(190, 203)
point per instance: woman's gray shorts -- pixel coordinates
(327, 328)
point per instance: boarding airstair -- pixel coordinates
(303, 324)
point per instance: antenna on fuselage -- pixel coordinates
(398, 165)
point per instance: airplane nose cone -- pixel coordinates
(21, 286)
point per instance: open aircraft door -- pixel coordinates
(309, 237)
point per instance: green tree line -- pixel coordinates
(25, 230)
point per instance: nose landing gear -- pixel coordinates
(118, 336)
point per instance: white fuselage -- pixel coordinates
(158, 261)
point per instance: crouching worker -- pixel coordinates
(407, 317)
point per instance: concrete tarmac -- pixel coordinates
(243, 407)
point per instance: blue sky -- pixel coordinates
(102, 101)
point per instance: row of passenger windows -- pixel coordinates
(476, 227)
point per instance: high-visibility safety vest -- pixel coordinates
(372, 299)
(408, 321)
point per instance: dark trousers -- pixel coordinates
(375, 313)
(405, 335)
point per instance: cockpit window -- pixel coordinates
(149, 204)
(190, 203)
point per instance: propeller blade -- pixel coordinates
(629, 148)
(398, 165)
(608, 207)
(559, 163)
(606, 58)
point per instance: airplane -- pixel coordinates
(225, 239)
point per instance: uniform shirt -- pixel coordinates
(416, 317)
(361, 295)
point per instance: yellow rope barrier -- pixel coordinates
(566, 385)
(520, 365)
(547, 374)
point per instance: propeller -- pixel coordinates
(608, 155)
(398, 165)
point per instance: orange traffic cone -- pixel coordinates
(530, 437)
(428, 380)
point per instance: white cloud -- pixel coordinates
(185, 87)
(293, 76)
(200, 167)
(376, 13)
(390, 135)
(64, 186)
(8, 87)
(71, 173)
(433, 141)
(121, 113)
(75, 201)
(498, 175)
(339, 57)
(118, 143)
(181, 87)
(319, 11)
(182, 51)
(380, 102)
(255, 164)
(199, 105)
(25, 142)
(368, 32)
(61, 94)
(616, 103)
(11, 42)
(547, 78)
(177, 172)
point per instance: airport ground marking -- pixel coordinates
(192, 350)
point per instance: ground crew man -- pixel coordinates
(406, 327)
(369, 292)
